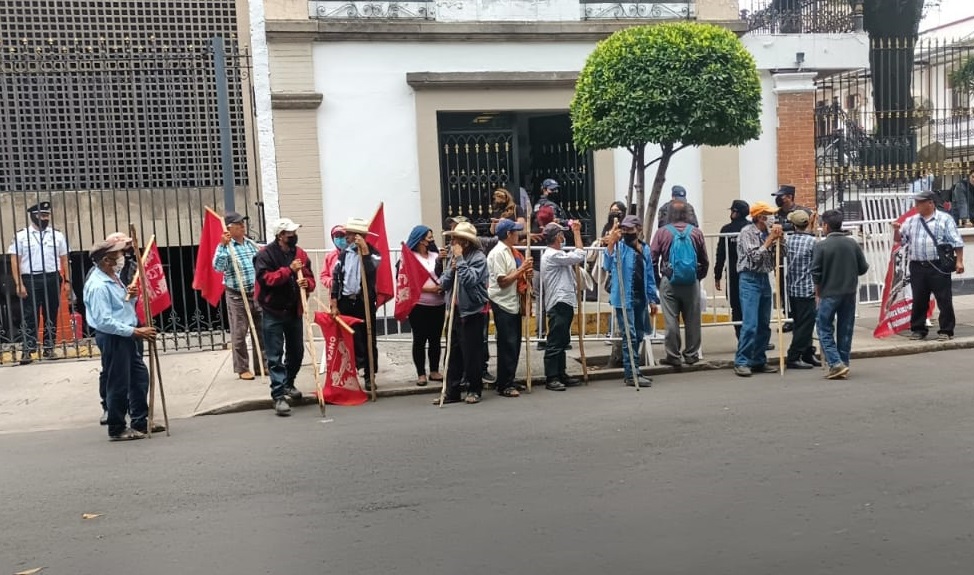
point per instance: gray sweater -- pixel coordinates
(472, 278)
(837, 263)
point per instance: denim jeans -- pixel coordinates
(508, 326)
(755, 294)
(836, 322)
(284, 341)
(127, 381)
(637, 317)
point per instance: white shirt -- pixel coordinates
(500, 262)
(558, 276)
(40, 252)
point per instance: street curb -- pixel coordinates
(911, 348)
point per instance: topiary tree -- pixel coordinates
(675, 85)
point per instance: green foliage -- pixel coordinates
(688, 83)
(963, 77)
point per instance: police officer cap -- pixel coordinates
(40, 208)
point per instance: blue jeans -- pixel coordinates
(755, 294)
(126, 379)
(637, 317)
(836, 321)
(284, 350)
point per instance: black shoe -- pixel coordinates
(48, 354)
(281, 407)
(127, 435)
(798, 364)
(690, 360)
(671, 362)
(764, 369)
(489, 377)
(293, 393)
(368, 385)
(787, 328)
(104, 417)
(554, 385)
(769, 347)
(27, 358)
(569, 381)
(812, 361)
(542, 344)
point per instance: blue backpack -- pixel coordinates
(683, 257)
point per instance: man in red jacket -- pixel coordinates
(282, 269)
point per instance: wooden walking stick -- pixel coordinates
(581, 322)
(781, 333)
(449, 336)
(153, 351)
(162, 395)
(368, 324)
(310, 334)
(255, 337)
(526, 327)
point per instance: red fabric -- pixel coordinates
(341, 377)
(409, 284)
(894, 313)
(207, 280)
(159, 298)
(384, 287)
(327, 268)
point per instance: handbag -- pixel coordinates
(946, 258)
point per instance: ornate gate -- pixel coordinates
(472, 166)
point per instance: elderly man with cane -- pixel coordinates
(238, 278)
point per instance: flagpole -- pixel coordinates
(238, 273)
(777, 284)
(449, 337)
(311, 344)
(153, 351)
(368, 323)
(526, 318)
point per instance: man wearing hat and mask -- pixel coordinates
(118, 338)
(756, 246)
(560, 300)
(510, 274)
(277, 291)
(244, 249)
(39, 266)
(678, 196)
(784, 198)
(801, 292)
(727, 252)
(346, 291)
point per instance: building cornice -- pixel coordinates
(431, 31)
(454, 80)
(296, 100)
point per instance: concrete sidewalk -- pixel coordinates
(64, 394)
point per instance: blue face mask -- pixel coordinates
(340, 243)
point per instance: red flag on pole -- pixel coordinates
(159, 298)
(894, 313)
(409, 283)
(384, 287)
(341, 376)
(207, 280)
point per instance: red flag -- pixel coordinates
(894, 313)
(384, 288)
(409, 283)
(207, 280)
(341, 376)
(159, 298)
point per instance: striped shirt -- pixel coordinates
(922, 247)
(800, 246)
(245, 253)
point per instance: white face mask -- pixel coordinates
(119, 264)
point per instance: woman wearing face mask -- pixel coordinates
(617, 211)
(328, 266)
(426, 318)
(504, 208)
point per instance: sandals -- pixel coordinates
(509, 392)
(421, 381)
(472, 398)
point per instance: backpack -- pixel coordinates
(683, 257)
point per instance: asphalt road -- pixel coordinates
(702, 474)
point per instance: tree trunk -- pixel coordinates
(632, 182)
(640, 185)
(658, 181)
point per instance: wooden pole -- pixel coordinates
(581, 322)
(240, 283)
(153, 351)
(777, 289)
(310, 334)
(368, 325)
(162, 395)
(526, 320)
(449, 337)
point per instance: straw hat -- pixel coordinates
(464, 230)
(357, 226)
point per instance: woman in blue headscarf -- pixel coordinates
(426, 318)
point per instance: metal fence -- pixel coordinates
(903, 124)
(802, 16)
(114, 133)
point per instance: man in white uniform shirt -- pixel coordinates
(39, 266)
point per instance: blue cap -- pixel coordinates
(549, 184)
(679, 192)
(505, 227)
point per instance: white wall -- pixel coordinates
(821, 51)
(367, 119)
(759, 158)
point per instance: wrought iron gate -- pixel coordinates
(114, 132)
(472, 166)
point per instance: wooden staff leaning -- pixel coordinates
(154, 364)
(528, 310)
(310, 335)
(238, 274)
(581, 321)
(777, 311)
(366, 301)
(449, 336)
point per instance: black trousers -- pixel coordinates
(508, 327)
(426, 322)
(926, 280)
(559, 336)
(356, 308)
(733, 294)
(803, 312)
(466, 355)
(43, 296)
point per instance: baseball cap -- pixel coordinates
(551, 231)
(740, 206)
(679, 192)
(283, 225)
(798, 217)
(631, 221)
(233, 218)
(550, 184)
(103, 248)
(785, 190)
(762, 209)
(925, 196)
(505, 227)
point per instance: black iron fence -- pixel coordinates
(803, 16)
(111, 134)
(906, 123)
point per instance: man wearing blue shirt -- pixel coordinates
(118, 338)
(244, 251)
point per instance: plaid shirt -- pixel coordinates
(751, 254)
(245, 253)
(922, 248)
(799, 277)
